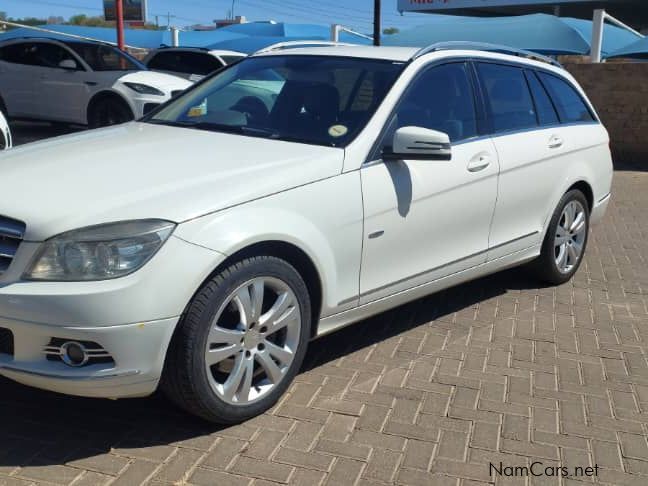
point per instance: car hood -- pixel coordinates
(140, 171)
(156, 80)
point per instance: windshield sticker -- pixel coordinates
(338, 131)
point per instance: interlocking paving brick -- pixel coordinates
(178, 467)
(205, 477)
(502, 369)
(383, 465)
(224, 452)
(272, 471)
(308, 460)
(136, 473)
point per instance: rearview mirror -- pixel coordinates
(417, 143)
(68, 64)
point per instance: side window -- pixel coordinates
(568, 101)
(23, 53)
(440, 99)
(546, 112)
(50, 55)
(508, 97)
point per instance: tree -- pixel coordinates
(391, 31)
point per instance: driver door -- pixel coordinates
(65, 94)
(426, 219)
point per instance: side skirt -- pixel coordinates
(343, 319)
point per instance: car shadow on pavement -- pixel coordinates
(57, 429)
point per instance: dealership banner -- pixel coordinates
(134, 10)
(415, 5)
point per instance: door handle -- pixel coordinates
(555, 142)
(479, 163)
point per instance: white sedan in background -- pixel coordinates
(5, 133)
(78, 82)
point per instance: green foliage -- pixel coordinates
(391, 31)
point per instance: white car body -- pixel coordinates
(341, 208)
(53, 93)
(187, 61)
(5, 133)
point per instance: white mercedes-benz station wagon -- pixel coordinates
(200, 249)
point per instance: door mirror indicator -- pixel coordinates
(417, 143)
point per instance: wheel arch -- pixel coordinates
(586, 189)
(292, 254)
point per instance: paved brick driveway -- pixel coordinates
(431, 393)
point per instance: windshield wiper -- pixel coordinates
(240, 130)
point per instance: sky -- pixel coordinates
(357, 14)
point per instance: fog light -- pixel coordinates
(74, 354)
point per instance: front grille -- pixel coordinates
(11, 235)
(6, 342)
(177, 92)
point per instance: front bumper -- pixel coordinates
(138, 351)
(131, 318)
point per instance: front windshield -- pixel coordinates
(101, 57)
(319, 100)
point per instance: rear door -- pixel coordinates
(524, 130)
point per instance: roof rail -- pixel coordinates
(302, 43)
(483, 46)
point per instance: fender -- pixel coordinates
(323, 219)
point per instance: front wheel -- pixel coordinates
(241, 342)
(109, 111)
(566, 240)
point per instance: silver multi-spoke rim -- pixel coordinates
(253, 340)
(570, 236)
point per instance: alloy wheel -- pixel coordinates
(252, 340)
(571, 233)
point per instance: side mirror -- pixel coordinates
(416, 143)
(68, 64)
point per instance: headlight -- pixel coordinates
(99, 252)
(144, 89)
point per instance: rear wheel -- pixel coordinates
(109, 111)
(241, 342)
(566, 240)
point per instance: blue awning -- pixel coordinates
(251, 44)
(636, 50)
(292, 31)
(614, 38)
(540, 33)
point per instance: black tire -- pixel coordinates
(185, 378)
(545, 266)
(3, 109)
(108, 111)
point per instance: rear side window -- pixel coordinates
(568, 101)
(544, 107)
(507, 97)
(185, 62)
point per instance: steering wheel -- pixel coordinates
(252, 107)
